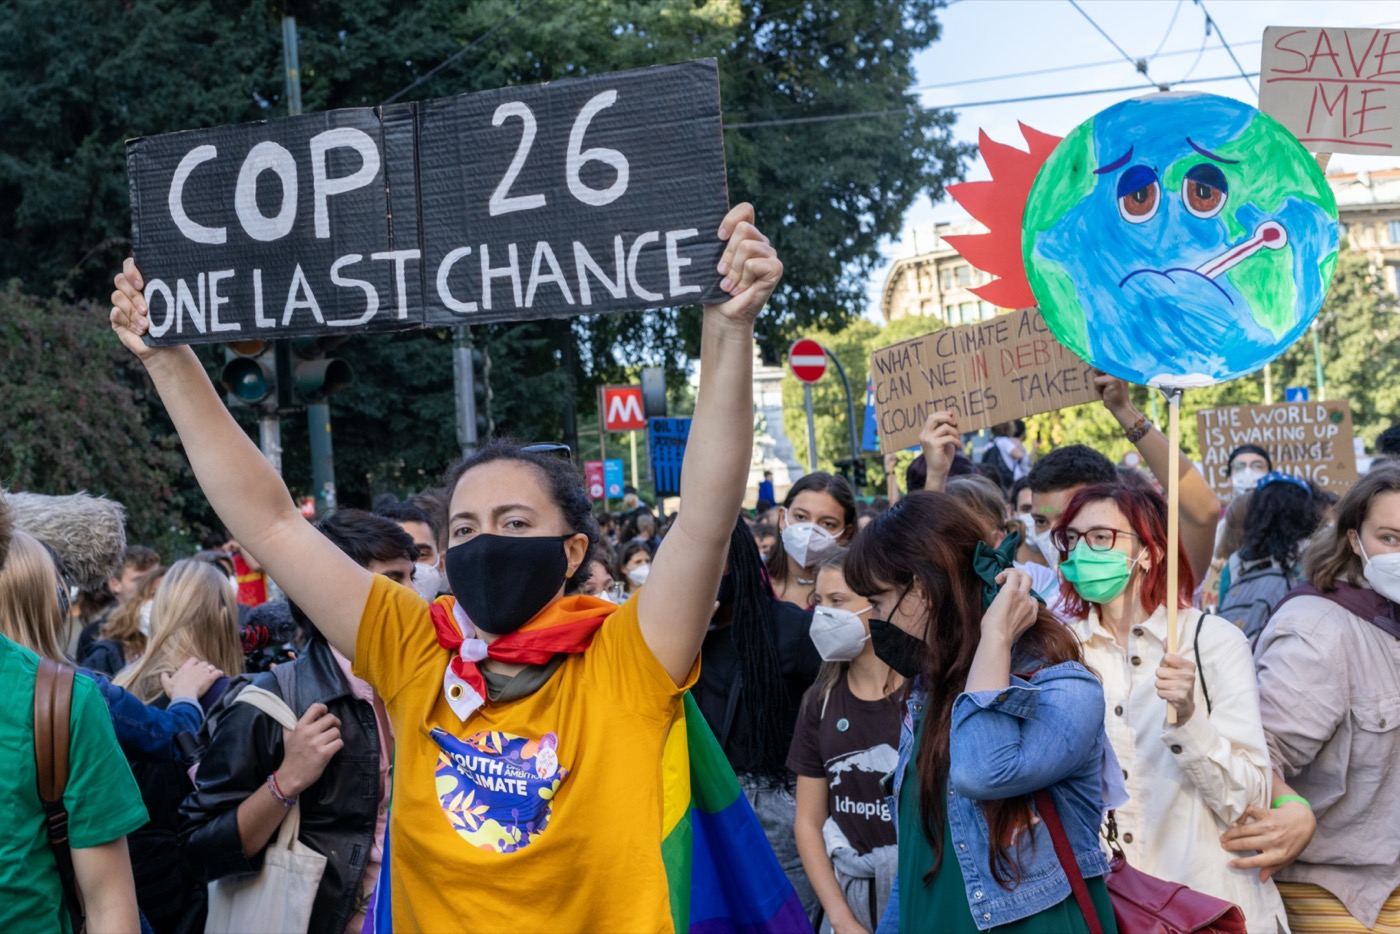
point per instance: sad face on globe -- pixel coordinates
(1178, 239)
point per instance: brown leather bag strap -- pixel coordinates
(53, 708)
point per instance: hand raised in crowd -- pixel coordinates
(891, 462)
(190, 680)
(1176, 684)
(1113, 391)
(941, 441)
(1014, 609)
(130, 317)
(308, 749)
(750, 266)
(1279, 834)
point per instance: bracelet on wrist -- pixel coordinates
(1139, 430)
(1282, 799)
(283, 799)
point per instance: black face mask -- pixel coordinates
(503, 581)
(896, 648)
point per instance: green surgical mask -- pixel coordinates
(1098, 576)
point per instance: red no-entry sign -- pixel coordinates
(808, 360)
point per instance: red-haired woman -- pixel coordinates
(1188, 781)
(978, 741)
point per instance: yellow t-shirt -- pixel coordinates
(539, 814)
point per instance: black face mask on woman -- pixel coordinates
(895, 647)
(503, 581)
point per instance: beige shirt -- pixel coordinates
(1329, 692)
(1189, 782)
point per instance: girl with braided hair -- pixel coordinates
(757, 661)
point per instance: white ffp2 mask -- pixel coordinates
(838, 634)
(1383, 573)
(427, 580)
(808, 543)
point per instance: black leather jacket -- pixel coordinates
(338, 812)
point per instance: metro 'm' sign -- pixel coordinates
(622, 408)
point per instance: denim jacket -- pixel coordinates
(1042, 732)
(146, 733)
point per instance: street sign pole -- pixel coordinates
(811, 430)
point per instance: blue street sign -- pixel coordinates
(1295, 394)
(612, 478)
(667, 438)
(870, 439)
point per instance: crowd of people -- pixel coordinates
(947, 707)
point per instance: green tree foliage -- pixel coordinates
(80, 77)
(74, 417)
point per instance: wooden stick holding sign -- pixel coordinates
(1173, 524)
(592, 195)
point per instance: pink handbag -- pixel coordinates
(1142, 904)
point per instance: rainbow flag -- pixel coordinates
(722, 872)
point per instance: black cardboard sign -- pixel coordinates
(577, 197)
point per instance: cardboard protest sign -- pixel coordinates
(1334, 89)
(1312, 440)
(577, 197)
(989, 372)
(1172, 240)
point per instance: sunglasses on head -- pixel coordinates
(552, 448)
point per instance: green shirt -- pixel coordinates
(102, 798)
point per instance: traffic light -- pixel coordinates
(249, 376)
(481, 392)
(316, 376)
(265, 375)
(853, 469)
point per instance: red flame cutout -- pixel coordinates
(1000, 204)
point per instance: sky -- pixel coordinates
(987, 46)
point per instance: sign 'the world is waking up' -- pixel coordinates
(577, 197)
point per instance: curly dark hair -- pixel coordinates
(1280, 516)
(1072, 466)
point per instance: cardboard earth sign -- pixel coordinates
(1311, 440)
(989, 372)
(1174, 240)
(1335, 89)
(576, 197)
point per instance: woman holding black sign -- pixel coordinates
(528, 724)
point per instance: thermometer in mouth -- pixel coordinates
(1269, 235)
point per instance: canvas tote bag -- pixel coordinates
(278, 897)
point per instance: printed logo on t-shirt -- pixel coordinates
(497, 789)
(877, 761)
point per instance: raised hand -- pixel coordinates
(941, 441)
(750, 266)
(308, 749)
(130, 318)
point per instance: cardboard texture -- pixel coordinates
(1337, 90)
(1004, 368)
(1312, 440)
(594, 195)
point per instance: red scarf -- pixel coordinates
(566, 625)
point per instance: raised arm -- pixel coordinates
(941, 442)
(1200, 507)
(248, 495)
(676, 604)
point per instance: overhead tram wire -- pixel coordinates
(832, 118)
(1139, 65)
(1211, 23)
(462, 51)
(1166, 35)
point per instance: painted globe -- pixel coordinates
(1180, 240)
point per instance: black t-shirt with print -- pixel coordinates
(853, 744)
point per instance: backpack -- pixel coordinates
(1256, 587)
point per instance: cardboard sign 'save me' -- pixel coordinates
(577, 197)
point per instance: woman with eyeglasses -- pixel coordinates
(529, 726)
(1189, 780)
